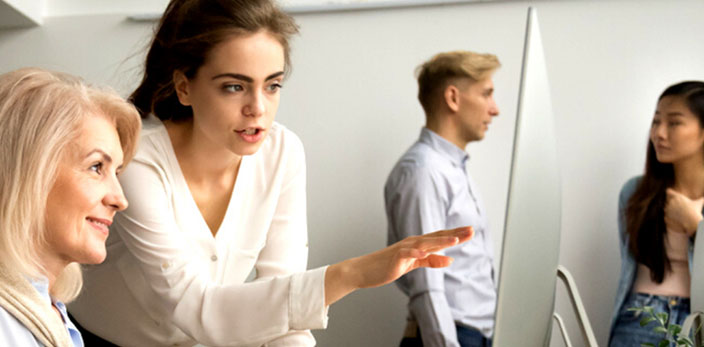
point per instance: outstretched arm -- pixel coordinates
(386, 265)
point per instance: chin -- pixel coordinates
(248, 150)
(96, 256)
(663, 159)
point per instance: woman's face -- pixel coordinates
(81, 204)
(235, 93)
(676, 132)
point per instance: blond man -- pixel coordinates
(430, 189)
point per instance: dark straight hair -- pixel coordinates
(645, 211)
(187, 32)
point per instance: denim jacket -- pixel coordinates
(628, 263)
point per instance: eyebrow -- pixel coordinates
(671, 114)
(245, 77)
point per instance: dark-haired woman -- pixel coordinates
(217, 190)
(659, 213)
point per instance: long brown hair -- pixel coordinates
(645, 211)
(187, 32)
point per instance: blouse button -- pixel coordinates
(214, 258)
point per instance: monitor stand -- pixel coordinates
(578, 307)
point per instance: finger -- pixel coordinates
(435, 261)
(669, 198)
(434, 244)
(412, 253)
(462, 233)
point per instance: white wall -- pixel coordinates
(351, 98)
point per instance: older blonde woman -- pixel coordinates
(63, 145)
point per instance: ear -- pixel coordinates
(451, 96)
(181, 85)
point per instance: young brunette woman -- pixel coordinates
(659, 213)
(216, 190)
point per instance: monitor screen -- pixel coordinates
(531, 242)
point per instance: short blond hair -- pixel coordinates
(41, 113)
(444, 68)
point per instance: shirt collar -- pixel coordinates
(444, 147)
(41, 284)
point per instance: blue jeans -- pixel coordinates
(627, 331)
(467, 337)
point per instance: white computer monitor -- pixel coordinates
(531, 242)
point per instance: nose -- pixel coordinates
(255, 106)
(493, 109)
(115, 198)
(658, 131)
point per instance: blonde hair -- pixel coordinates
(444, 68)
(41, 113)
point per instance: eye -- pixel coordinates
(274, 87)
(656, 122)
(232, 88)
(97, 168)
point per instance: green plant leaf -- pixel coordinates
(661, 330)
(647, 345)
(685, 342)
(674, 329)
(646, 320)
(637, 310)
(664, 343)
(649, 310)
(662, 318)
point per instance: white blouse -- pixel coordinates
(168, 282)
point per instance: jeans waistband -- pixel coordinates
(671, 300)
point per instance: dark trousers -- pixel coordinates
(467, 337)
(90, 339)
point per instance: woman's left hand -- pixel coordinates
(682, 213)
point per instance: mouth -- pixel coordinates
(100, 224)
(251, 135)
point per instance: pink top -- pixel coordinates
(676, 281)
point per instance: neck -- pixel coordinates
(689, 177)
(52, 265)
(200, 159)
(443, 127)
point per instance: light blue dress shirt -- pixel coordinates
(429, 189)
(14, 333)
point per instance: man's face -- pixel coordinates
(476, 108)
